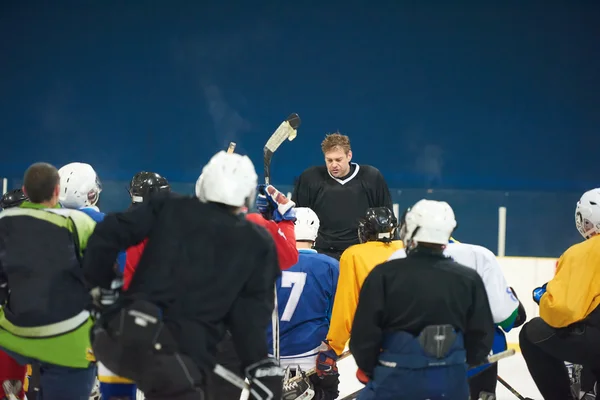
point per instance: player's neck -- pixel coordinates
(304, 245)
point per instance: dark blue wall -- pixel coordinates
(478, 97)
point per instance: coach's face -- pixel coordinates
(338, 162)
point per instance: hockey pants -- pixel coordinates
(60, 383)
(420, 367)
(545, 350)
(218, 387)
(146, 353)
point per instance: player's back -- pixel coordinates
(305, 295)
(501, 298)
(366, 256)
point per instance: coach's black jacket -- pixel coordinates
(207, 270)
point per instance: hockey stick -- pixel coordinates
(231, 147)
(512, 390)
(490, 360)
(286, 130)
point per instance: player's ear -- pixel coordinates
(349, 155)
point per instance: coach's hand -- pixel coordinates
(273, 204)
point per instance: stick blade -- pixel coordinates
(294, 120)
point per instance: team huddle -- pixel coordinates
(193, 297)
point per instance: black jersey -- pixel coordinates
(340, 203)
(412, 293)
(207, 269)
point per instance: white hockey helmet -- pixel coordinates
(79, 185)
(307, 224)
(228, 179)
(428, 221)
(587, 213)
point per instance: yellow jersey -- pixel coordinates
(574, 292)
(355, 264)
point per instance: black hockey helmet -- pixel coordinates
(144, 184)
(377, 222)
(12, 198)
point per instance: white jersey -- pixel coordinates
(502, 300)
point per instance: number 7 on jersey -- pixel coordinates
(296, 281)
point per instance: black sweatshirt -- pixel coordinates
(208, 271)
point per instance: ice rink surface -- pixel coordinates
(513, 370)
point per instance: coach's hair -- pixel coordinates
(39, 182)
(334, 140)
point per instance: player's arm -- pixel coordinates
(280, 214)
(503, 303)
(367, 332)
(250, 313)
(558, 309)
(334, 270)
(479, 332)
(344, 304)
(117, 232)
(285, 242)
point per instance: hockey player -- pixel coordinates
(80, 189)
(568, 328)
(340, 192)
(375, 233)
(421, 319)
(142, 186)
(13, 198)
(507, 310)
(305, 295)
(204, 268)
(12, 374)
(277, 215)
(44, 320)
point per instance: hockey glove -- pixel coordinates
(273, 204)
(362, 377)
(266, 379)
(538, 293)
(326, 361)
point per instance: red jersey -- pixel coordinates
(284, 236)
(11, 370)
(132, 258)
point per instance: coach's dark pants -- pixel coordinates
(545, 350)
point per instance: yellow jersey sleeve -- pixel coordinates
(574, 292)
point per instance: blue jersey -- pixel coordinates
(94, 213)
(305, 294)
